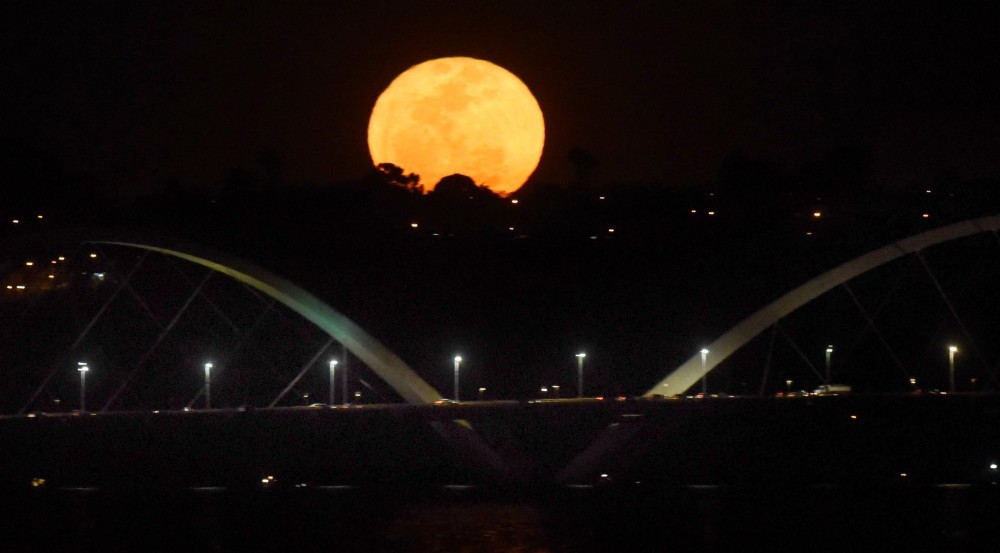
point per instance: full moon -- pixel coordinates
(459, 115)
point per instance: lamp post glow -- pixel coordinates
(333, 370)
(458, 362)
(481, 392)
(208, 385)
(704, 372)
(83, 368)
(951, 368)
(555, 388)
(829, 351)
(579, 374)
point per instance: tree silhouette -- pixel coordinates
(393, 175)
(270, 161)
(460, 187)
(843, 174)
(752, 188)
(583, 163)
(240, 184)
(459, 204)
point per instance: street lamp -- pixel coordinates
(458, 362)
(333, 370)
(951, 368)
(829, 350)
(208, 385)
(555, 388)
(83, 368)
(481, 392)
(704, 371)
(579, 374)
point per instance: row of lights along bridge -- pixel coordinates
(84, 368)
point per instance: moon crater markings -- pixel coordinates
(459, 115)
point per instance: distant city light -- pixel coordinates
(513, 201)
(926, 215)
(414, 225)
(30, 263)
(711, 213)
(9, 287)
(993, 466)
(54, 261)
(694, 211)
(93, 256)
(52, 276)
(854, 417)
(928, 191)
(611, 230)
(817, 214)
(40, 217)
(809, 233)
(510, 228)
(61, 258)
(20, 287)
(15, 221)
(600, 197)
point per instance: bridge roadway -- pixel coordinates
(444, 410)
(729, 441)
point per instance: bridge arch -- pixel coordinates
(389, 367)
(690, 372)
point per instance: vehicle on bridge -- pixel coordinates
(832, 389)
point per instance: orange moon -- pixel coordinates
(459, 115)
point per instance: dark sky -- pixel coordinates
(657, 91)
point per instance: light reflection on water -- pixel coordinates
(590, 520)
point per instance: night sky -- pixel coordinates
(658, 92)
(160, 115)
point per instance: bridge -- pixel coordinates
(104, 269)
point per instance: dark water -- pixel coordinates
(930, 518)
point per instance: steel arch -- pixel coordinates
(370, 351)
(690, 372)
